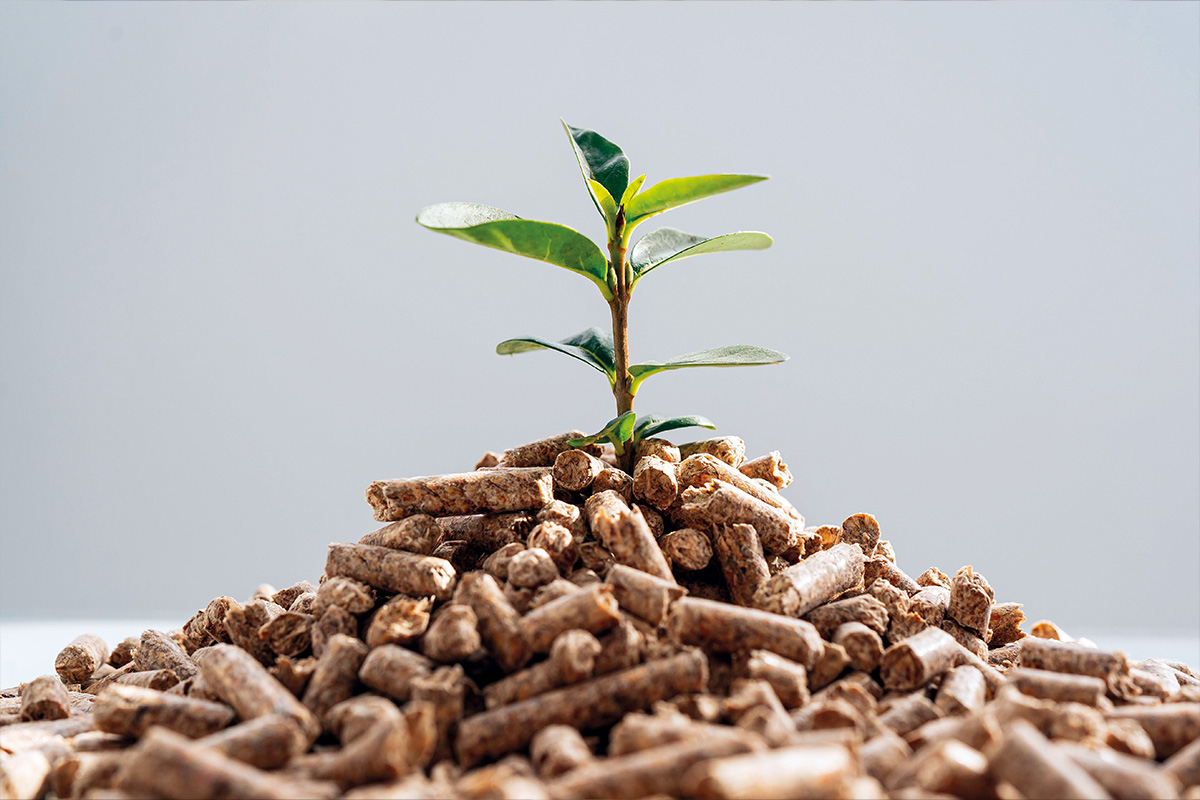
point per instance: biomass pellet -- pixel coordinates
(242, 682)
(976, 730)
(1155, 680)
(77, 661)
(393, 571)
(568, 515)
(814, 581)
(491, 491)
(1184, 766)
(638, 731)
(336, 620)
(44, 698)
(1059, 656)
(742, 563)
(687, 548)
(572, 658)
(769, 468)
(416, 534)
(909, 713)
(557, 749)
(729, 449)
(726, 628)
(612, 479)
(1004, 657)
(543, 452)
(487, 532)
(243, 624)
(1127, 736)
(862, 530)
(1060, 687)
(285, 597)
(879, 569)
(401, 620)
(390, 669)
(1027, 760)
(445, 690)
(863, 646)
(499, 622)
(489, 459)
(625, 534)
(787, 773)
(122, 654)
(303, 604)
(594, 703)
(381, 751)
(265, 742)
(558, 541)
(559, 587)
(1171, 726)
(753, 705)
(884, 548)
(930, 604)
(157, 679)
(962, 691)
(831, 662)
(131, 710)
(655, 481)
(659, 448)
(1124, 777)
(863, 608)
(643, 594)
(970, 600)
(593, 609)
(289, 634)
(718, 503)
(453, 635)
(24, 774)
(98, 686)
(620, 649)
(884, 753)
(335, 676)
(574, 470)
(948, 768)
(1005, 624)
(531, 568)
(654, 520)
(168, 765)
(969, 640)
(934, 577)
(497, 563)
(699, 469)
(77, 774)
(913, 662)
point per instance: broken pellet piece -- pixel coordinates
(242, 682)
(243, 622)
(625, 534)
(642, 593)
(487, 491)
(289, 634)
(543, 452)
(390, 669)
(769, 468)
(970, 600)
(620, 648)
(401, 620)
(131, 710)
(718, 503)
(1005, 624)
(815, 580)
(726, 628)
(862, 530)
(687, 549)
(574, 470)
(393, 571)
(77, 661)
(593, 703)
(655, 481)
(729, 449)
(44, 698)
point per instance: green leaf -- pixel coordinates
(668, 244)
(546, 241)
(600, 160)
(675, 192)
(654, 424)
(608, 206)
(593, 347)
(738, 355)
(632, 189)
(618, 431)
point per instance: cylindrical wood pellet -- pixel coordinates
(594, 609)
(393, 571)
(557, 749)
(687, 548)
(543, 452)
(484, 492)
(335, 676)
(1027, 760)
(390, 669)
(1171, 726)
(730, 449)
(727, 628)
(970, 600)
(718, 503)
(655, 481)
(643, 594)
(131, 711)
(44, 698)
(265, 742)
(815, 580)
(624, 532)
(963, 690)
(78, 660)
(912, 663)
(574, 470)
(246, 685)
(742, 562)
(788, 773)
(453, 635)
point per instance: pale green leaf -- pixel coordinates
(669, 244)
(632, 189)
(593, 347)
(675, 192)
(738, 355)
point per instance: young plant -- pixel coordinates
(616, 270)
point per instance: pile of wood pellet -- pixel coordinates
(548, 626)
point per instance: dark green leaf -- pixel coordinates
(669, 244)
(546, 241)
(601, 161)
(675, 192)
(593, 347)
(654, 424)
(738, 355)
(618, 431)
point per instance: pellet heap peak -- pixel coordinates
(551, 626)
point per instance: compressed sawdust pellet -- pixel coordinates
(531, 568)
(769, 468)
(643, 594)
(785, 773)
(726, 628)
(1170, 726)
(612, 479)
(963, 690)
(862, 608)
(266, 742)
(1025, 758)
(543, 452)
(335, 620)
(600, 701)
(970, 600)
(930, 604)
(336, 673)
(572, 658)
(815, 580)
(593, 609)
(624, 533)
(1122, 775)
(78, 660)
(44, 698)
(699, 469)
(1005, 624)
(158, 679)
(862, 530)
(1059, 656)
(289, 634)
(914, 661)
(574, 470)
(718, 503)
(243, 623)
(416, 534)
(486, 532)
(655, 481)
(401, 620)
(620, 648)
(1058, 686)
(687, 548)
(557, 749)
(559, 587)
(131, 710)
(863, 646)
(390, 669)
(743, 565)
(729, 449)
(499, 622)
(595, 558)
(453, 635)
(122, 654)
(659, 448)
(497, 563)
(489, 459)
(559, 543)
(965, 637)
(392, 571)
(23, 774)
(242, 682)
(788, 678)
(484, 492)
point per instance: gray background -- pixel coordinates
(219, 323)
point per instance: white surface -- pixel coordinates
(27, 649)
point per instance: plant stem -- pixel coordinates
(620, 323)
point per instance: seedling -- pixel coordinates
(623, 206)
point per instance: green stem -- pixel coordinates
(622, 387)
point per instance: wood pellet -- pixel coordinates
(547, 625)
